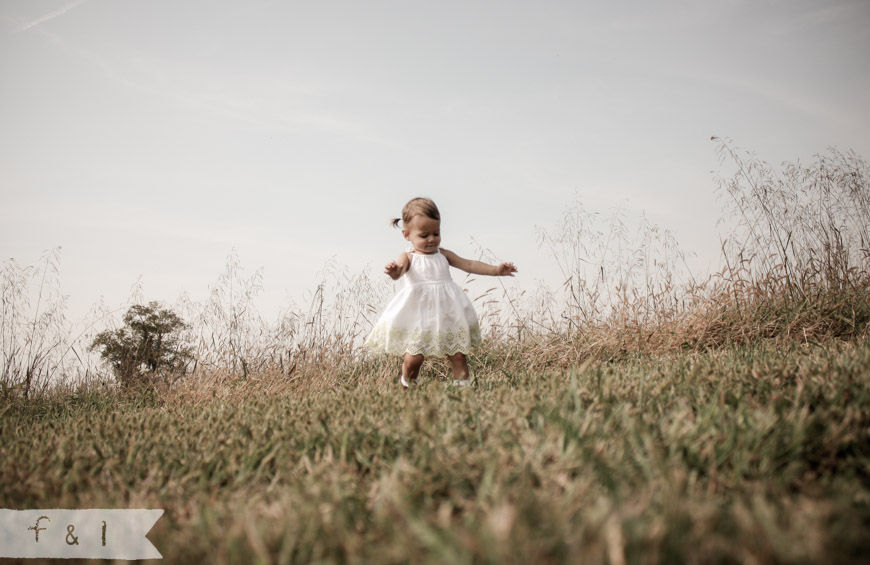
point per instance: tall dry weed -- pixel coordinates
(801, 230)
(229, 335)
(34, 334)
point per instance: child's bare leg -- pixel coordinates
(411, 366)
(460, 368)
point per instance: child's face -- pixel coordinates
(423, 233)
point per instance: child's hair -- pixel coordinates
(417, 206)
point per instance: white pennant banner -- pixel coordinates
(87, 534)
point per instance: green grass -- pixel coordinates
(753, 454)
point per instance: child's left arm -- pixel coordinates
(477, 267)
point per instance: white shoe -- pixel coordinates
(406, 384)
(463, 382)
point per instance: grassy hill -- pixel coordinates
(758, 453)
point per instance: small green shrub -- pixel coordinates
(147, 348)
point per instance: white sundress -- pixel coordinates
(431, 315)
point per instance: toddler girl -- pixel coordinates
(431, 315)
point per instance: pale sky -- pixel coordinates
(151, 138)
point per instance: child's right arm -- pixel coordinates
(395, 269)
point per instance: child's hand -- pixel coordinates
(393, 270)
(505, 270)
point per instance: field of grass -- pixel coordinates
(755, 454)
(636, 414)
